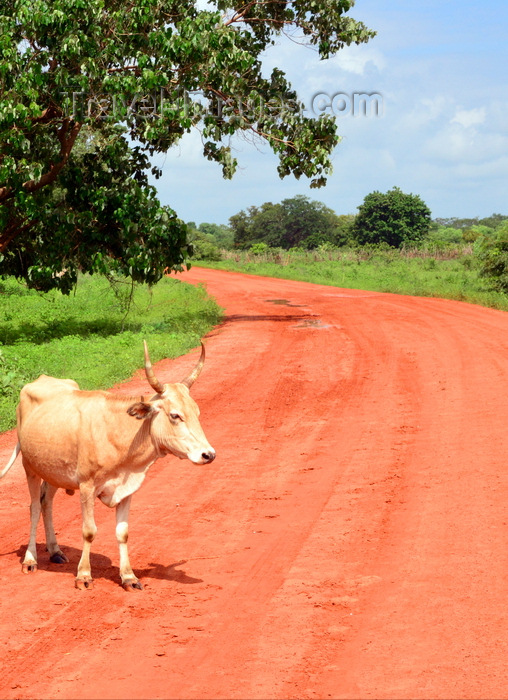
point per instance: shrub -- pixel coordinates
(259, 248)
(492, 253)
(205, 250)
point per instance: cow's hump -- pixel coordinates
(42, 389)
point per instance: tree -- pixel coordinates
(202, 241)
(394, 218)
(305, 219)
(297, 221)
(125, 80)
(493, 221)
(222, 235)
(344, 228)
(264, 224)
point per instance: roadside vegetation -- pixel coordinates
(94, 336)
(430, 272)
(391, 245)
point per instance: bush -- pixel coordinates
(446, 236)
(203, 249)
(492, 253)
(259, 248)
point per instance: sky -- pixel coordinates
(439, 71)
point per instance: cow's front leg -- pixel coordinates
(47, 495)
(129, 580)
(34, 486)
(87, 493)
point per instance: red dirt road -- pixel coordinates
(349, 541)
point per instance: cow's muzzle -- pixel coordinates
(203, 457)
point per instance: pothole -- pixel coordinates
(283, 302)
(312, 323)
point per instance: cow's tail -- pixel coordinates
(11, 461)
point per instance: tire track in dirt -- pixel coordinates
(350, 540)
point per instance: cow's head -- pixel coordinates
(174, 416)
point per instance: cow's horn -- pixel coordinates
(189, 381)
(152, 379)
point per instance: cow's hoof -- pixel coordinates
(29, 567)
(58, 558)
(84, 584)
(132, 586)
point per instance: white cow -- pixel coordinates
(101, 445)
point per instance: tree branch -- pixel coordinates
(12, 232)
(240, 14)
(67, 135)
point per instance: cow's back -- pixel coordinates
(47, 423)
(68, 436)
(41, 390)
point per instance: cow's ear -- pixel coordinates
(141, 410)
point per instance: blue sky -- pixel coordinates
(442, 71)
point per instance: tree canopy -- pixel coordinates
(90, 89)
(392, 217)
(208, 239)
(294, 222)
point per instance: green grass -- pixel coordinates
(90, 337)
(448, 274)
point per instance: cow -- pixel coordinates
(102, 445)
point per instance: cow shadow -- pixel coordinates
(103, 567)
(168, 573)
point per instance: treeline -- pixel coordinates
(492, 222)
(394, 219)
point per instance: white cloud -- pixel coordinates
(468, 138)
(469, 117)
(360, 59)
(452, 143)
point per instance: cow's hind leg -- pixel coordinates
(29, 565)
(47, 495)
(84, 578)
(129, 580)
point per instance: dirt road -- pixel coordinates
(349, 541)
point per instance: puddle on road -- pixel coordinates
(283, 302)
(312, 323)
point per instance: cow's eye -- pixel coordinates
(175, 416)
